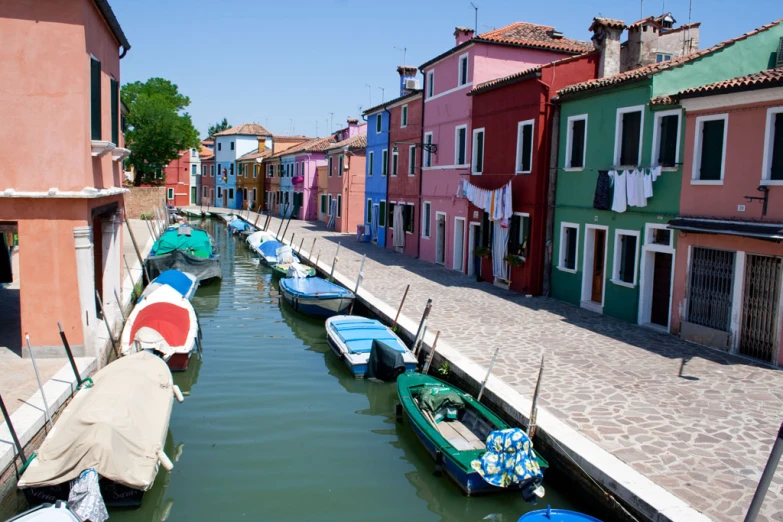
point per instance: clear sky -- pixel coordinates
(289, 64)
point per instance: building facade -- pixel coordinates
(230, 145)
(182, 178)
(306, 160)
(345, 183)
(376, 171)
(207, 189)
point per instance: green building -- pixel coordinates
(622, 263)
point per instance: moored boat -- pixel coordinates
(258, 237)
(186, 248)
(283, 269)
(315, 296)
(556, 515)
(351, 338)
(274, 252)
(184, 283)
(238, 226)
(57, 512)
(453, 428)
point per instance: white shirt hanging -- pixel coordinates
(641, 200)
(631, 188)
(619, 203)
(648, 185)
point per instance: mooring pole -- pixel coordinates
(267, 221)
(318, 258)
(138, 252)
(531, 428)
(258, 216)
(431, 355)
(293, 235)
(38, 378)
(70, 355)
(334, 262)
(7, 417)
(119, 305)
(399, 309)
(312, 249)
(358, 282)
(300, 246)
(130, 274)
(286, 226)
(766, 478)
(106, 322)
(417, 340)
(279, 228)
(489, 371)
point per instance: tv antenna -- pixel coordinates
(369, 89)
(475, 19)
(382, 93)
(404, 53)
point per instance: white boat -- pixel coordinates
(57, 512)
(258, 237)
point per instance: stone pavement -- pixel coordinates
(695, 421)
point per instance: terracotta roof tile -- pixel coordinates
(648, 70)
(648, 20)
(356, 142)
(206, 153)
(246, 129)
(760, 80)
(312, 145)
(608, 22)
(280, 137)
(255, 155)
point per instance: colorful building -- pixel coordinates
(346, 163)
(207, 156)
(231, 144)
(250, 175)
(727, 281)
(62, 144)
(447, 112)
(273, 169)
(182, 178)
(613, 250)
(302, 162)
(322, 179)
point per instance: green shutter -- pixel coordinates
(577, 144)
(777, 148)
(527, 147)
(382, 214)
(95, 99)
(629, 151)
(711, 149)
(115, 106)
(667, 148)
(369, 211)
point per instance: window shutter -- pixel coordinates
(629, 151)
(527, 147)
(480, 152)
(667, 148)
(382, 214)
(95, 99)
(570, 257)
(711, 149)
(777, 145)
(115, 106)
(577, 144)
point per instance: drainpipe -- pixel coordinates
(554, 138)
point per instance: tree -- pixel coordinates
(158, 129)
(218, 127)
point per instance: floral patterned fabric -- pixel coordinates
(509, 459)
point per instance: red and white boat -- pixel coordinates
(165, 324)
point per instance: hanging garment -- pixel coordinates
(656, 172)
(631, 186)
(508, 205)
(499, 250)
(648, 188)
(333, 211)
(399, 227)
(497, 203)
(602, 199)
(619, 202)
(638, 178)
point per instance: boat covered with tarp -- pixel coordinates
(472, 445)
(186, 248)
(239, 225)
(258, 237)
(351, 338)
(163, 323)
(107, 446)
(315, 296)
(183, 282)
(556, 515)
(293, 269)
(274, 252)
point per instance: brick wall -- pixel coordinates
(141, 200)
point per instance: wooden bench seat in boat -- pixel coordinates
(455, 432)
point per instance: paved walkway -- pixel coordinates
(693, 420)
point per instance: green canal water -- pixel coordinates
(273, 427)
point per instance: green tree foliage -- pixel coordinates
(158, 127)
(218, 127)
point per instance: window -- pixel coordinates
(232, 145)
(569, 238)
(628, 136)
(391, 214)
(486, 230)
(212, 171)
(204, 191)
(395, 162)
(626, 252)
(427, 153)
(430, 83)
(378, 124)
(193, 168)
(709, 150)
(340, 165)
(231, 169)
(369, 211)
(412, 160)
(203, 170)
(519, 235)
(192, 153)
(463, 70)
(404, 116)
(170, 193)
(662, 57)
(408, 218)
(255, 171)
(524, 163)
(244, 194)
(339, 205)
(576, 142)
(382, 214)
(254, 194)
(95, 99)
(384, 162)
(371, 161)
(666, 138)
(297, 168)
(477, 163)
(330, 166)
(329, 207)
(460, 144)
(115, 111)
(323, 203)
(220, 192)
(773, 147)
(425, 219)
(220, 146)
(230, 193)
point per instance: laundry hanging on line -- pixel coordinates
(631, 188)
(497, 203)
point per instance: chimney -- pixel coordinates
(462, 34)
(353, 128)
(606, 38)
(406, 72)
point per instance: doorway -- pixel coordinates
(661, 289)
(656, 279)
(440, 238)
(193, 193)
(459, 244)
(760, 307)
(594, 276)
(474, 240)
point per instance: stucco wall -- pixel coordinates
(141, 200)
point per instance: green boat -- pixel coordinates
(455, 432)
(186, 248)
(281, 269)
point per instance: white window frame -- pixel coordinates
(460, 67)
(518, 160)
(618, 134)
(696, 166)
(426, 217)
(404, 116)
(339, 205)
(657, 137)
(616, 258)
(430, 83)
(427, 153)
(169, 193)
(570, 142)
(379, 123)
(456, 145)
(371, 157)
(385, 162)
(395, 162)
(474, 148)
(562, 252)
(412, 160)
(766, 164)
(413, 217)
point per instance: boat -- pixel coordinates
(165, 324)
(283, 269)
(238, 226)
(556, 515)
(112, 432)
(186, 248)
(227, 218)
(191, 213)
(454, 436)
(183, 282)
(351, 338)
(57, 512)
(271, 254)
(315, 296)
(258, 237)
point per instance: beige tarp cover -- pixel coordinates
(116, 427)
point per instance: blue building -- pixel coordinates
(229, 146)
(376, 171)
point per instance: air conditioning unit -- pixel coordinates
(411, 83)
(779, 61)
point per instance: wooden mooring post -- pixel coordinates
(422, 324)
(334, 262)
(531, 427)
(69, 353)
(431, 355)
(312, 249)
(399, 309)
(106, 322)
(9, 424)
(138, 253)
(489, 372)
(300, 246)
(38, 378)
(293, 235)
(358, 282)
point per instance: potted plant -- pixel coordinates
(482, 252)
(514, 261)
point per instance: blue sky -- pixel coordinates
(289, 64)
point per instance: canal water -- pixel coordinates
(273, 427)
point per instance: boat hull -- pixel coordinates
(114, 495)
(204, 268)
(357, 363)
(317, 307)
(179, 362)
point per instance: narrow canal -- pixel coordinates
(274, 428)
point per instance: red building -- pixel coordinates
(207, 187)
(512, 118)
(177, 179)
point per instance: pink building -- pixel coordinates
(728, 279)
(307, 157)
(447, 112)
(61, 188)
(345, 182)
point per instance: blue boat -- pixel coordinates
(238, 226)
(315, 296)
(556, 515)
(183, 282)
(267, 251)
(351, 337)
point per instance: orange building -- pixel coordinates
(345, 179)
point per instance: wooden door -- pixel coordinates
(599, 246)
(661, 289)
(440, 239)
(459, 243)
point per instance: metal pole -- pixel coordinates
(7, 417)
(400, 307)
(358, 282)
(531, 428)
(70, 355)
(431, 355)
(489, 371)
(106, 322)
(334, 262)
(422, 323)
(766, 478)
(38, 378)
(119, 305)
(138, 253)
(258, 216)
(279, 228)
(267, 221)
(127, 267)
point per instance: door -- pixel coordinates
(661, 289)
(440, 238)
(758, 337)
(193, 192)
(599, 255)
(474, 240)
(459, 244)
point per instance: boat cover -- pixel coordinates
(313, 287)
(556, 515)
(441, 401)
(201, 267)
(116, 427)
(184, 238)
(182, 282)
(358, 333)
(238, 225)
(258, 237)
(298, 270)
(385, 362)
(509, 459)
(269, 248)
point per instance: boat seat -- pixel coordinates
(468, 435)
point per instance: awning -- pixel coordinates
(766, 231)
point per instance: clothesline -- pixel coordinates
(497, 203)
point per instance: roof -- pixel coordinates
(758, 230)
(356, 142)
(606, 22)
(206, 153)
(665, 31)
(649, 70)
(521, 76)
(649, 20)
(398, 99)
(246, 129)
(108, 15)
(760, 80)
(280, 137)
(523, 34)
(255, 155)
(312, 145)
(208, 141)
